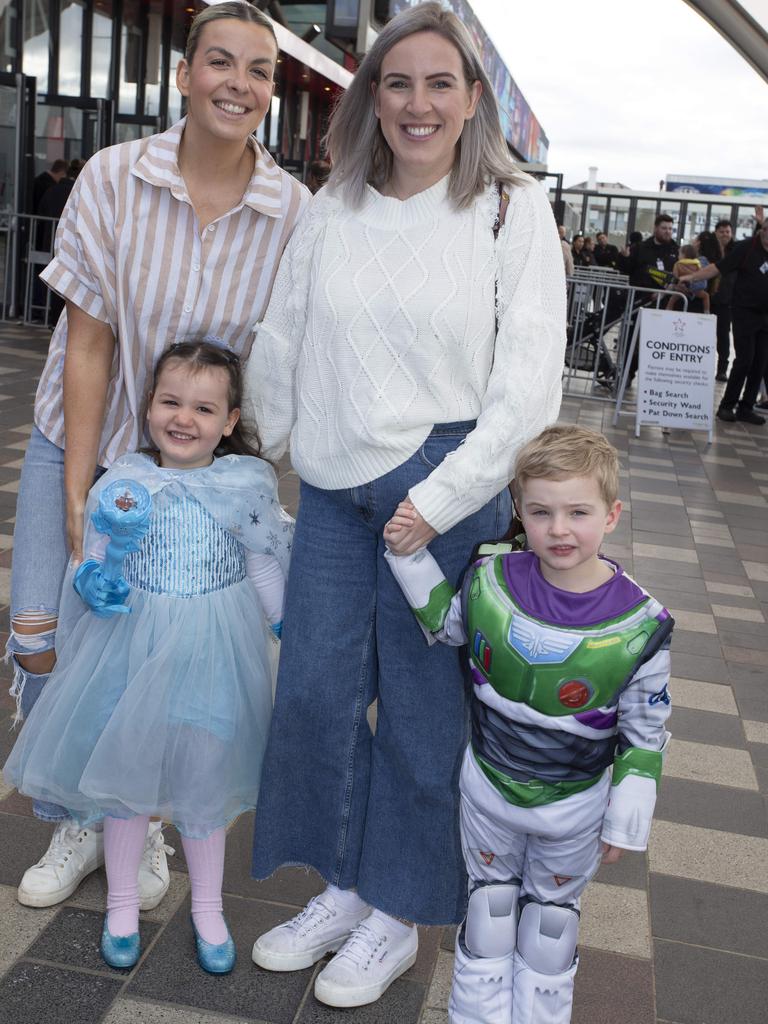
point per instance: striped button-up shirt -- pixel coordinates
(130, 252)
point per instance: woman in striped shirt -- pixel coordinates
(164, 239)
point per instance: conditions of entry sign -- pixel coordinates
(676, 373)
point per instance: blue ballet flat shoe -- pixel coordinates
(120, 950)
(215, 959)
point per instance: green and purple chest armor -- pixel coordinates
(555, 670)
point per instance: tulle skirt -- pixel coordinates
(163, 711)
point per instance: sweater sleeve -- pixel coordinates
(270, 374)
(524, 387)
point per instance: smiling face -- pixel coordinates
(422, 102)
(230, 80)
(189, 414)
(565, 522)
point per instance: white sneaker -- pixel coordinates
(72, 854)
(154, 878)
(320, 928)
(366, 965)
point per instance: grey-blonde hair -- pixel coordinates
(239, 9)
(357, 148)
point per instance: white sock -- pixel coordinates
(346, 899)
(397, 928)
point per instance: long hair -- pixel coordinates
(203, 355)
(356, 145)
(239, 9)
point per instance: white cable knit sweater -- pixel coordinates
(382, 323)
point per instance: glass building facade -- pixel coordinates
(78, 75)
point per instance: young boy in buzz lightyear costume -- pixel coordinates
(569, 658)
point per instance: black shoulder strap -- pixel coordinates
(503, 204)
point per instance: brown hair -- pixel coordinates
(232, 9)
(204, 355)
(564, 451)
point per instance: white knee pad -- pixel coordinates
(483, 969)
(545, 964)
(490, 929)
(546, 937)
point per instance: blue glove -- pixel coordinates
(103, 597)
(277, 628)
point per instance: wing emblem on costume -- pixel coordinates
(540, 645)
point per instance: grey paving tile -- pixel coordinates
(72, 939)
(171, 974)
(711, 916)
(25, 839)
(292, 886)
(734, 636)
(135, 1011)
(19, 926)
(755, 709)
(694, 666)
(706, 727)
(400, 1004)
(612, 989)
(690, 989)
(38, 994)
(615, 919)
(690, 641)
(759, 754)
(713, 807)
(631, 871)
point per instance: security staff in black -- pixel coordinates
(749, 308)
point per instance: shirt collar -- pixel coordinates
(159, 166)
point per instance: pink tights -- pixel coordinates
(124, 840)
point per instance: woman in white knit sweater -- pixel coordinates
(406, 351)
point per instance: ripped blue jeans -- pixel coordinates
(40, 555)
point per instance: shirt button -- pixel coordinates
(211, 227)
(195, 267)
(187, 309)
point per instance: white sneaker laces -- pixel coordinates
(316, 912)
(361, 946)
(155, 845)
(61, 846)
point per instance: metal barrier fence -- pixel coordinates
(602, 317)
(26, 248)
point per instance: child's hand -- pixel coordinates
(611, 854)
(404, 516)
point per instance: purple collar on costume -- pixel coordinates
(547, 603)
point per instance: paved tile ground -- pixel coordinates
(674, 937)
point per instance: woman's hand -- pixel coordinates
(406, 532)
(611, 854)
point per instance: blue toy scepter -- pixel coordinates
(123, 513)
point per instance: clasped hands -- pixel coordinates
(406, 531)
(104, 597)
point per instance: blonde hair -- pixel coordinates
(239, 9)
(357, 147)
(565, 451)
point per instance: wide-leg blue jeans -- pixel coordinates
(374, 812)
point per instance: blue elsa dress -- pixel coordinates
(166, 710)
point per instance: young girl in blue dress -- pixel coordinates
(161, 697)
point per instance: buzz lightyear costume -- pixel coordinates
(565, 686)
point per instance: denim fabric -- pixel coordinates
(40, 556)
(376, 812)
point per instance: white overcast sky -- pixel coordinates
(639, 88)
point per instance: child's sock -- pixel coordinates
(205, 860)
(123, 847)
(346, 899)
